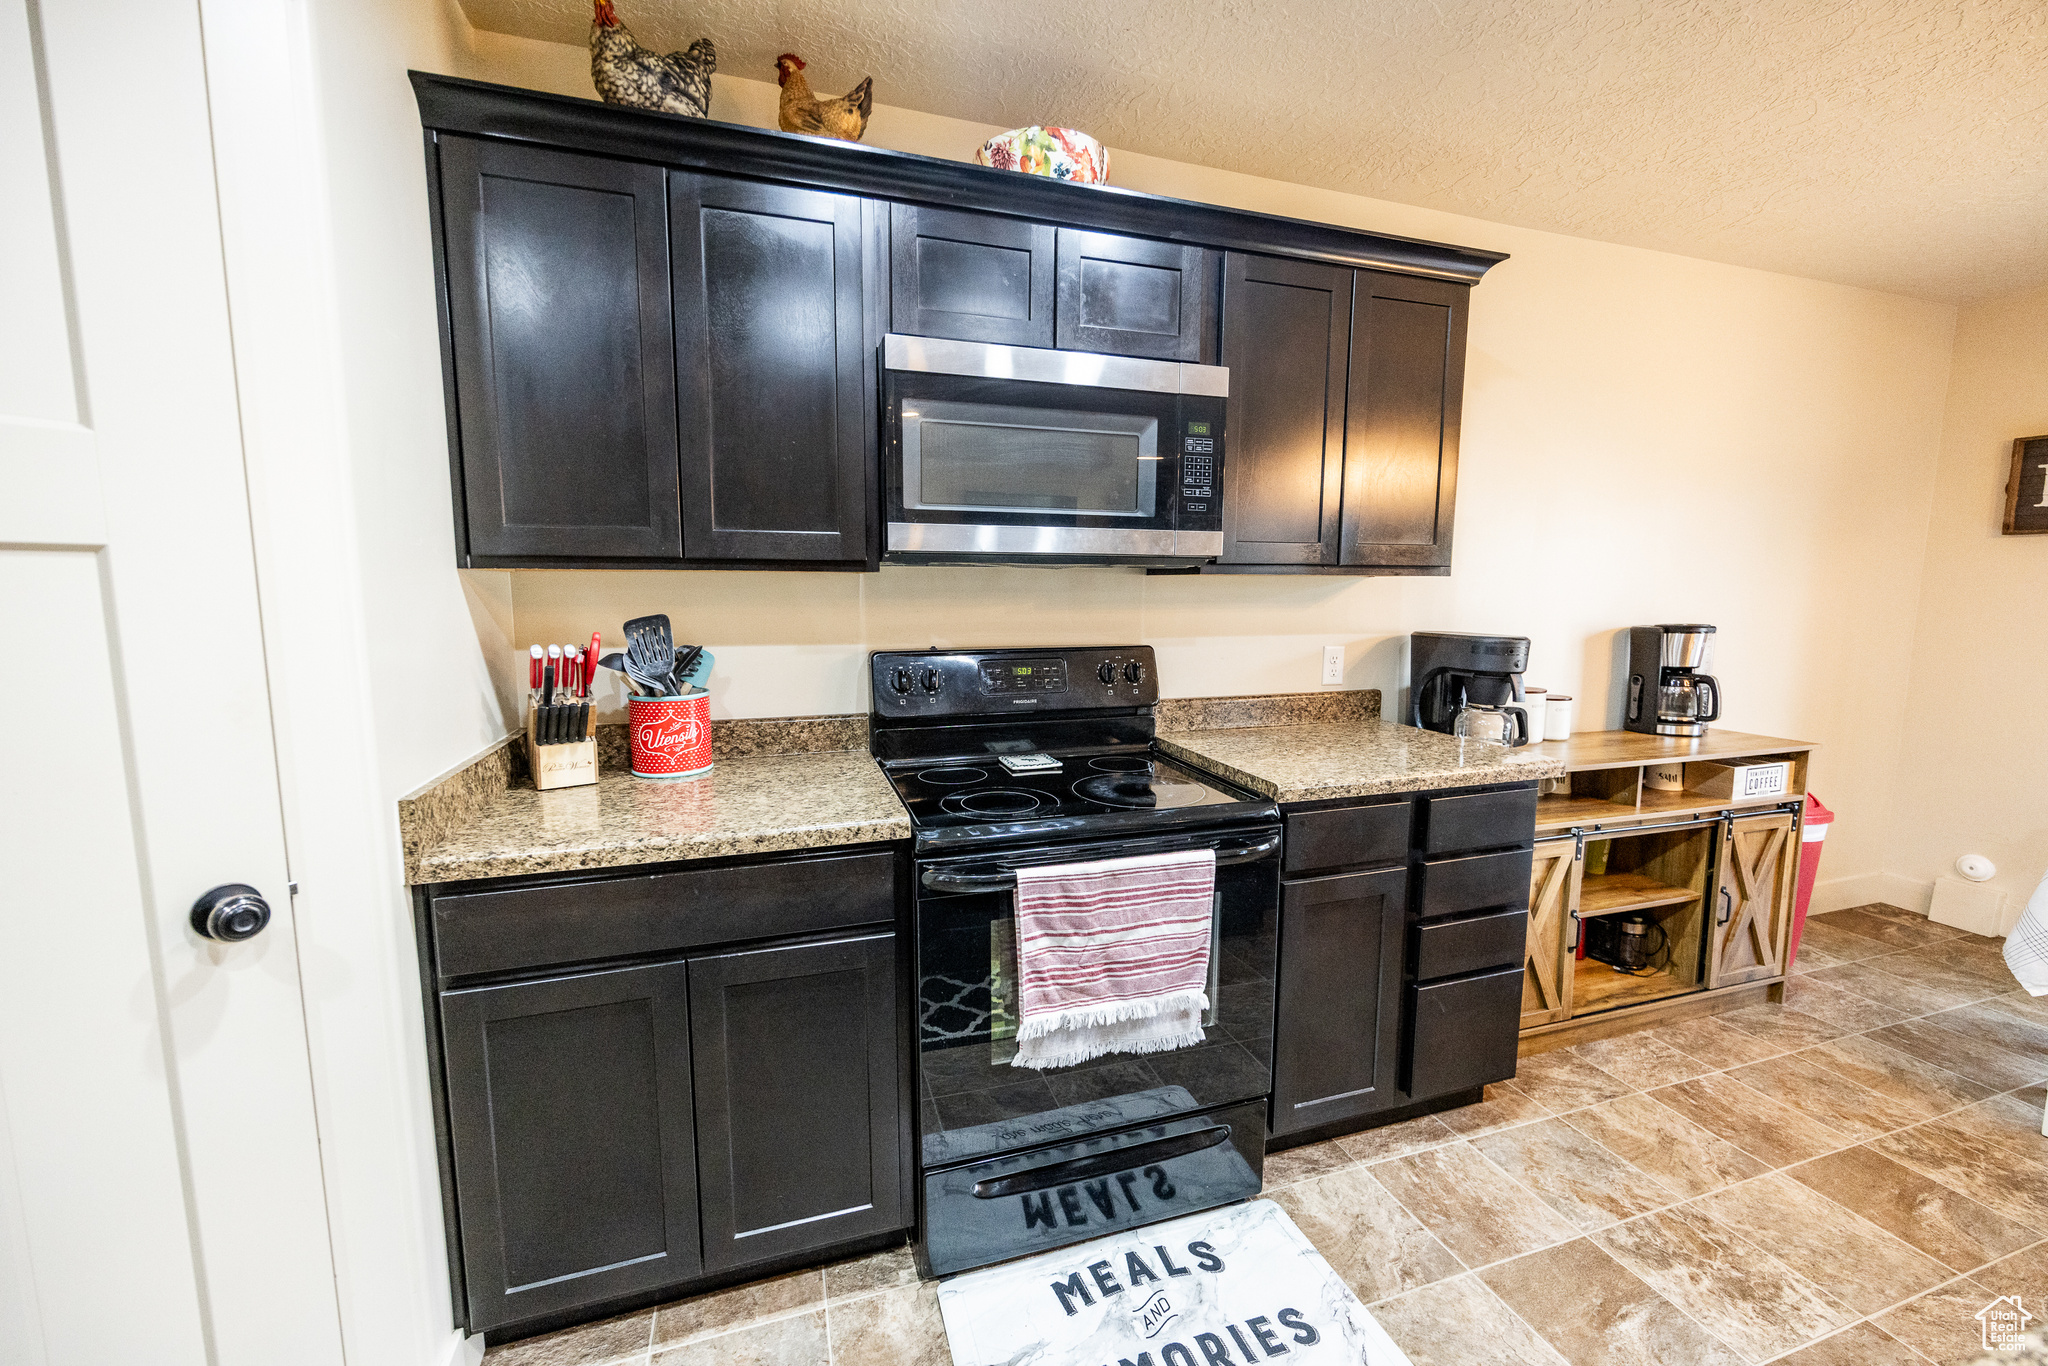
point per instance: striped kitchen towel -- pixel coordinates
(1113, 957)
(2026, 948)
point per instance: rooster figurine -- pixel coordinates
(803, 112)
(626, 73)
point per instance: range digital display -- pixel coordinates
(1037, 675)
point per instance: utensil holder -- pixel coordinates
(565, 763)
(670, 736)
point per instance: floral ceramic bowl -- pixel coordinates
(1061, 153)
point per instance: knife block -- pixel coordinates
(572, 763)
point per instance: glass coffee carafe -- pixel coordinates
(1687, 700)
(1491, 725)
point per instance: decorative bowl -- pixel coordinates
(1062, 153)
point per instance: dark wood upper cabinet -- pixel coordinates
(1401, 430)
(970, 276)
(1286, 335)
(1337, 1048)
(569, 1122)
(800, 1097)
(1130, 297)
(564, 380)
(775, 389)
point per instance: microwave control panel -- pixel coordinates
(1201, 467)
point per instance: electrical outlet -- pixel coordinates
(1333, 664)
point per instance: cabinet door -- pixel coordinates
(1401, 430)
(776, 407)
(1286, 328)
(1131, 297)
(971, 276)
(801, 1097)
(569, 1115)
(1553, 899)
(1337, 1034)
(558, 318)
(1753, 900)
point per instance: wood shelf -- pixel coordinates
(1564, 812)
(1613, 893)
(1596, 986)
(1561, 813)
(1589, 750)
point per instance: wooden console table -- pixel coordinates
(1714, 878)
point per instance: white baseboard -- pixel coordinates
(1840, 893)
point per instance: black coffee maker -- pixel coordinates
(1447, 669)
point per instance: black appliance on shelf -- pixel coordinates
(1447, 669)
(1008, 758)
(1023, 455)
(1667, 693)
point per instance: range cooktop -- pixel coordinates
(1011, 782)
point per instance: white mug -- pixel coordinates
(1664, 777)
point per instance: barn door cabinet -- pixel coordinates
(1403, 922)
(1345, 393)
(1711, 881)
(630, 1105)
(659, 337)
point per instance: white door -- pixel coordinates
(160, 1183)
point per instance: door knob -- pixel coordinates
(231, 912)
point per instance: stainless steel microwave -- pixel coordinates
(1024, 456)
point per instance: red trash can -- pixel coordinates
(1815, 829)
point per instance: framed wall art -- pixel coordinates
(2026, 488)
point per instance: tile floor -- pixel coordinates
(1841, 1180)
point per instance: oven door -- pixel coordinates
(976, 1104)
(1014, 454)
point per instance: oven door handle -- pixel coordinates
(1002, 877)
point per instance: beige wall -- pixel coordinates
(1646, 438)
(1973, 764)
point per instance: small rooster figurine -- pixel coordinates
(803, 112)
(626, 73)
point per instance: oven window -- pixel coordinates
(967, 1016)
(988, 457)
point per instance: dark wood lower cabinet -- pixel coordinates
(569, 1115)
(618, 1135)
(1336, 1050)
(799, 1096)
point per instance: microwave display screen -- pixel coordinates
(988, 457)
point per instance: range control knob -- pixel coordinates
(1134, 672)
(930, 678)
(230, 913)
(1106, 671)
(899, 678)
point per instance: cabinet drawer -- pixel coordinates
(1483, 820)
(1347, 838)
(1449, 948)
(1466, 1031)
(1475, 882)
(525, 927)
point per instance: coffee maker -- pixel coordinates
(1447, 669)
(1667, 695)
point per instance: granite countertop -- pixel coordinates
(484, 820)
(1360, 758)
(807, 782)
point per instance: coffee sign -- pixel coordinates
(2026, 488)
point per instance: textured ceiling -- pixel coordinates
(1896, 144)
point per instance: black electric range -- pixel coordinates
(1008, 758)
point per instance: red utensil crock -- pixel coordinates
(671, 736)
